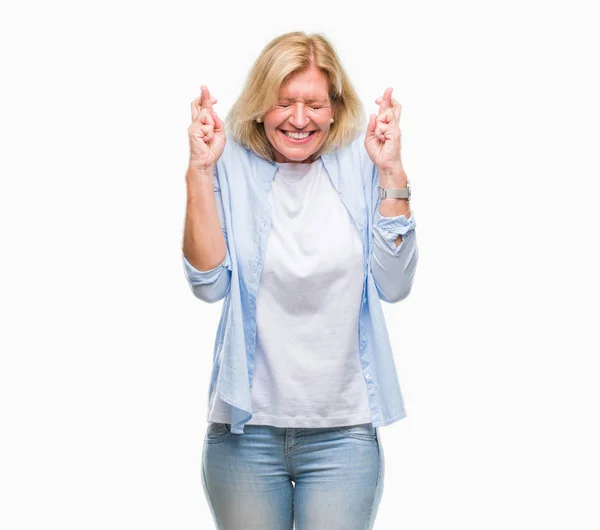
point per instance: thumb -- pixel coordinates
(371, 125)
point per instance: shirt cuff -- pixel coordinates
(392, 227)
(196, 277)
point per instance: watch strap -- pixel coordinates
(394, 193)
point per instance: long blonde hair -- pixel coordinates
(279, 59)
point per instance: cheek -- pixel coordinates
(324, 127)
(271, 129)
(324, 122)
(276, 118)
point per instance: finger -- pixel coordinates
(195, 109)
(205, 118)
(382, 126)
(395, 105)
(396, 109)
(197, 106)
(207, 129)
(398, 112)
(206, 100)
(387, 116)
(199, 119)
(382, 130)
(372, 123)
(195, 130)
(394, 102)
(375, 129)
(219, 125)
(386, 101)
(371, 127)
(206, 132)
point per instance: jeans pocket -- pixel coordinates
(217, 432)
(361, 431)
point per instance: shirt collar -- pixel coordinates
(267, 169)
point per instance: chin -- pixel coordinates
(295, 157)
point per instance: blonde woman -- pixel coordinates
(298, 217)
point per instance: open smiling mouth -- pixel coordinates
(298, 138)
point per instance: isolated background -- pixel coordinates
(105, 352)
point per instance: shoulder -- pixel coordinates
(225, 163)
(234, 158)
(355, 148)
(356, 154)
(234, 149)
(239, 164)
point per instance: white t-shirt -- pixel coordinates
(307, 366)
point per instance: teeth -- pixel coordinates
(297, 136)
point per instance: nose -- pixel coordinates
(299, 117)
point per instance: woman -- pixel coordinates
(285, 223)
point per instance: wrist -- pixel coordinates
(392, 177)
(199, 182)
(197, 172)
(394, 207)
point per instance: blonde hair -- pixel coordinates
(279, 59)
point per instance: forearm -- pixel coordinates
(395, 178)
(204, 244)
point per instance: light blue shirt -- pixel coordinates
(242, 181)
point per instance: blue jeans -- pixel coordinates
(270, 478)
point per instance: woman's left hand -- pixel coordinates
(382, 140)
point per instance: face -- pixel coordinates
(304, 109)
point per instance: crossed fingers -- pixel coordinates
(388, 107)
(203, 113)
(202, 107)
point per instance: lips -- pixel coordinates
(293, 140)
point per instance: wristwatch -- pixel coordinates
(395, 193)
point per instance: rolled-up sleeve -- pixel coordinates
(393, 267)
(212, 285)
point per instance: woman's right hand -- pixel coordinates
(207, 132)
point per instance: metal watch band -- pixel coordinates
(395, 193)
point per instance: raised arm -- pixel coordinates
(206, 259)
(395, 252)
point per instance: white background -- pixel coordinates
(106, 354)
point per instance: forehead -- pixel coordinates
(306, 85)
